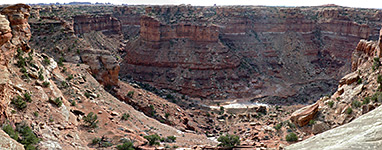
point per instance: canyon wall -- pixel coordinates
(88, 23)
(267, 53)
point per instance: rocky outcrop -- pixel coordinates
(88, 23)
(7, 143)
(302, 116)
(5, 30)
(362, 133)
(103, 65)
(278, 54)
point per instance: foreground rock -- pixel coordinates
(7, 143)
(362, 133)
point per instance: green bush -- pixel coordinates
(91, 120)
(359, 81)
(330, 103)
(27, 97)
(40, 76)
(366, 100)
(312, 122)
(87, 95)
(229, 140)
(12, 133)
(356, 103)
(19, 102)
(45, 84)
(70, 77)
(376, 63)
(278, 126)
(28, 138)
(47, 60)
(96, 141)
(153, 139)
(126, 146)
(130, 94)
(56, 101)
(171, 139)
(125, 116)
(291, 137)
(349, 110)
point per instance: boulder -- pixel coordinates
(302, 116)
(362, 133)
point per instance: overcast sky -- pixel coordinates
(349, 3)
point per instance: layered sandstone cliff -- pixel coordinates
(262, 52)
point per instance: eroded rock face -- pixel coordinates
(103, 65)
(362, 133)
(222, 52)
(88, 23)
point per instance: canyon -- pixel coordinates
(192, 72)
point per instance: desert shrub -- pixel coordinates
(19, 102)
(87, 95)
(153, 139)
(125, 116)
(359, 81)
(376, 63)
(130, 94)
(356, 103)
(291, 137)
(10, 131)
(27, 97)
(40, 76)
(56, 101)
(278, 126)
(126, 146)
(47, 60)
(91, 120)
(366, 100)
(166, 115)
(291, 125)
(60, 61)
(349, 110)
(171, 139)
(28, 138)
(330, 103)
(96, 141)
(45, 84)
(70, 77)
(229, 140)
(312, 122)
(35, 114)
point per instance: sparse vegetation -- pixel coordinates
(359, 81)
(45, 84)
(91, 120)
(356, 104)
(349, 110)
(70, 77)
(330, 103)
(27, 97)
(56, 101)
(376, 63)
(22, 134)
(35, 114)
(366, 100)
(125, 116)
(19, 102)
(229, 140)
(126, 146)
(47, 60)
(171, 139)
(278, 126)
(153, 139)
(312, 122)
(130, 94)
(291, 137)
